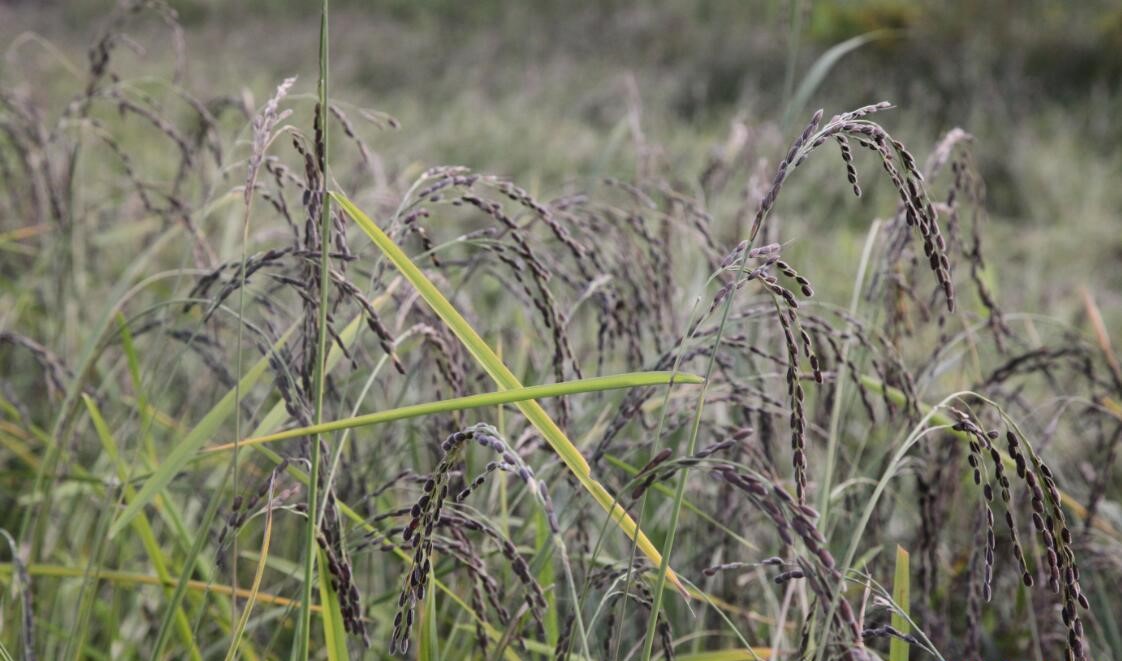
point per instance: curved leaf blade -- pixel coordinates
(578, 386)
(506, 379)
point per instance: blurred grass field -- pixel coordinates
(544, 91)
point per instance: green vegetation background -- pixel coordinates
(535, 90)
(546, 92)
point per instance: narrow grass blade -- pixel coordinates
(182, 453)
(428, 648)
(335, 637)
(1102, 336)
(822, 66)
(23, 587)
(142, 407)
(134, 578)
(843, 367)
(542, 541)
(729, 655)
(502, 375)
(520, 394)
(255, 587)
(901, 595)
(897, 397)
(508, 634)
(140, 523)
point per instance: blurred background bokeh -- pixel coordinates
(542, 90)
(552, 92)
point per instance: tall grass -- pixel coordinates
(265, 395)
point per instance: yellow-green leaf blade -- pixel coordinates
(595, 384)
(506, 379)
(182, 453)
(901, 595)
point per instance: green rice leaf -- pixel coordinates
(493, 365)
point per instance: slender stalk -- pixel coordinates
(646, 494)
(521, 394)
(135, 578)
(742, 273)
(839, 381)
(901, 594)
(304, 635)
(794, 31)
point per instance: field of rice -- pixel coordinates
(581, 330)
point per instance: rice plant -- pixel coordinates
(264, 396)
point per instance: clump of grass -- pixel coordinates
(822, 433)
